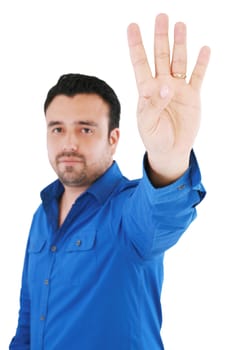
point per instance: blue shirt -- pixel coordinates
(95, 282)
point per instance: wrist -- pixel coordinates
(164, 172)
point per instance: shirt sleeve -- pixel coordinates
(155, 218)
(21, 340)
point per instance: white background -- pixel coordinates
(39, 41)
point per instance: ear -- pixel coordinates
(114, 138)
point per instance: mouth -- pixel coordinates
(69, 157)
(69, 160)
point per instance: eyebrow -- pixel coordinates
(80, 122)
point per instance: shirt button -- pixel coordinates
(53, 248)
(79, 242)
(42, 317)
(46, 282)
(181, 187)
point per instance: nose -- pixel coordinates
(70, 143)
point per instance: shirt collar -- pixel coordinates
(100, 189)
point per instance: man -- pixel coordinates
(93, 268)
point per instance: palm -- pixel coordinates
(173, 127)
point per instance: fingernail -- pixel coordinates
(164, 91)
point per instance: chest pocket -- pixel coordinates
(35, 257)
(81, 242)
(78, 264)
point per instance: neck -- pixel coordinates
(72, 193)
(68, 198)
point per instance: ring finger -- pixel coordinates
(179, 55)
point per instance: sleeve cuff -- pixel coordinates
(190, 180)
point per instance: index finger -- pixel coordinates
(200, 68)
(138, 55)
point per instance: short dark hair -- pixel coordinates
(73, 84)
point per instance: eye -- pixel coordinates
(57, 130)
(87, 131)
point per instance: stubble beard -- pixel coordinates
(83, 177)
(73, 178)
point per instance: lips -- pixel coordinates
(69, 158)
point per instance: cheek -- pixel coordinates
(97, 151)
(51, 150)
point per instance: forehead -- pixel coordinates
(88, 106)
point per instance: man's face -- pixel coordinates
(80, 148)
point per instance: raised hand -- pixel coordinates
(169, 108)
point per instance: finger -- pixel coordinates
(200, 68)
(161, 45)
(138, 55)
(179, 55)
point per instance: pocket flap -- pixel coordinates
(36, 245)
(84, 240)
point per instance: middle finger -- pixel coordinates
(162, 49)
